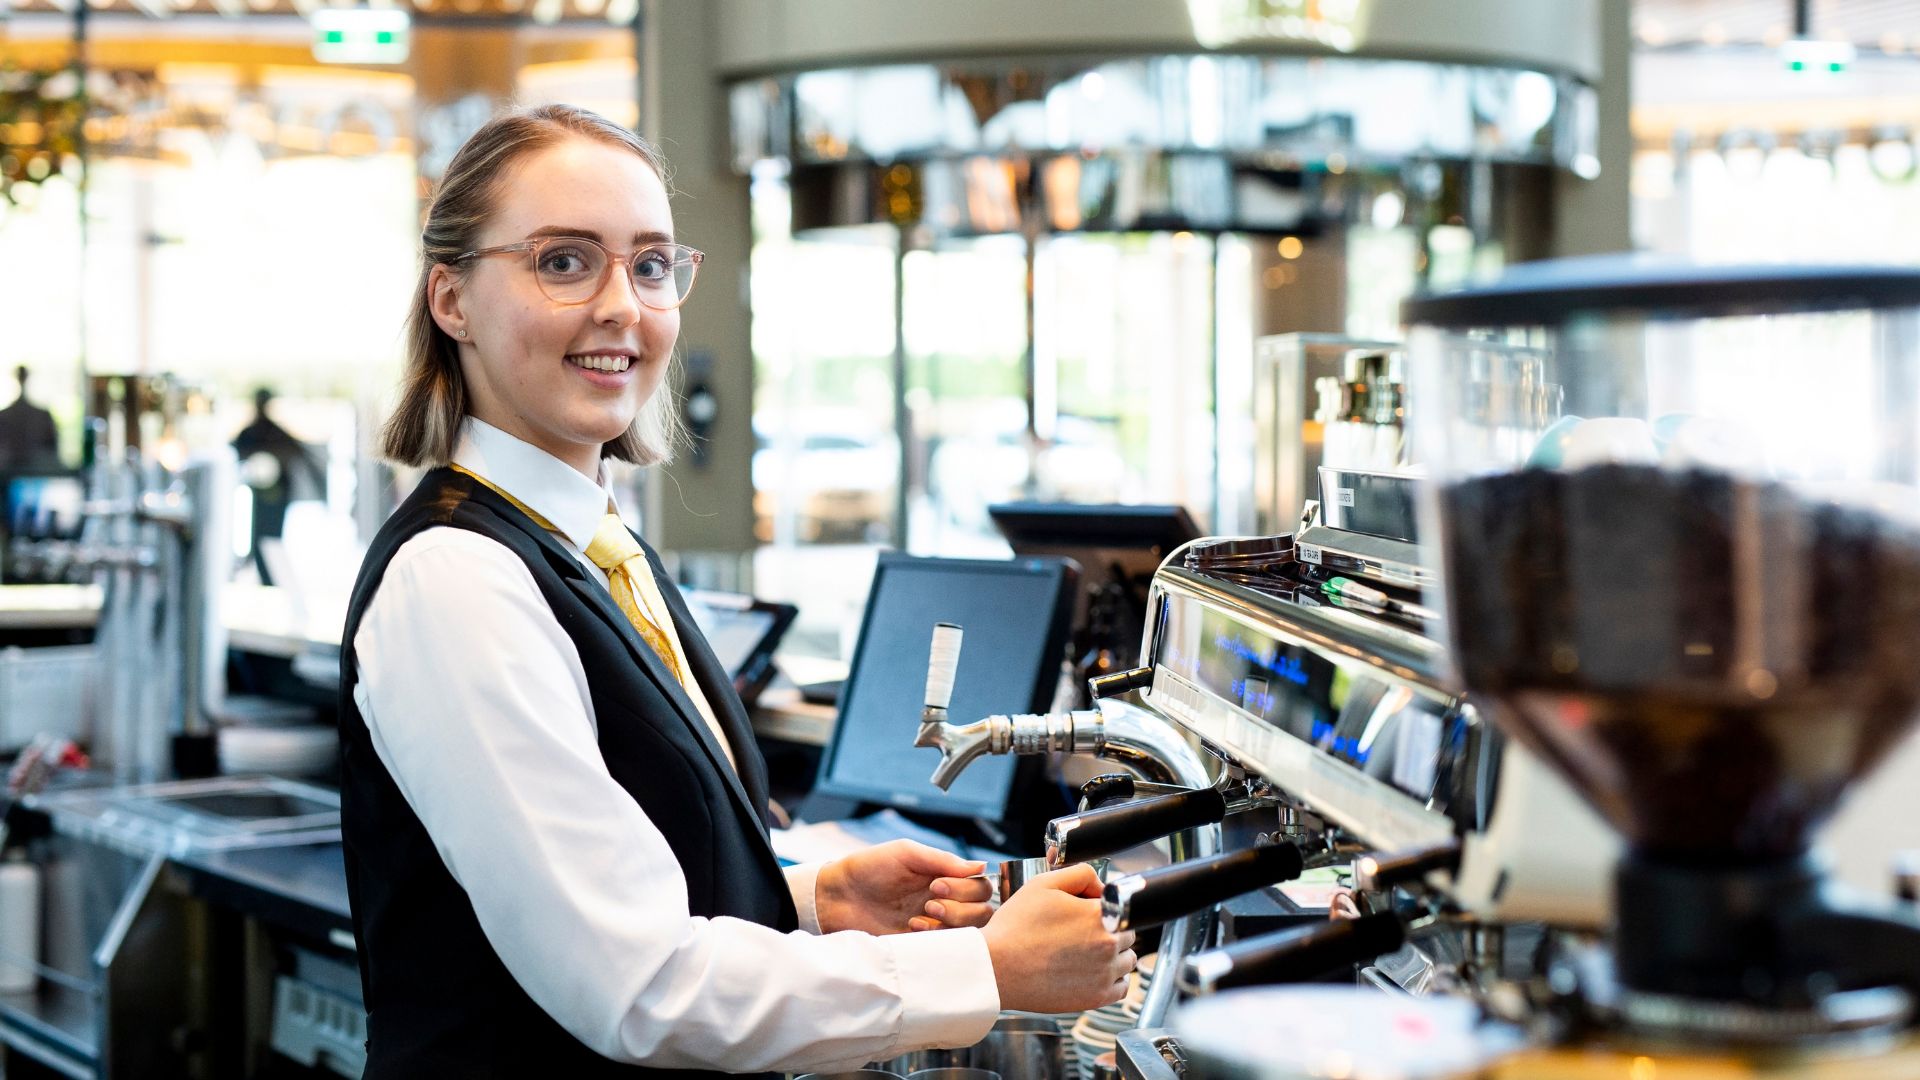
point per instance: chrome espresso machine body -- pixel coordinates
(1328, 739)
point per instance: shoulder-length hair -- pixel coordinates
(433, 395)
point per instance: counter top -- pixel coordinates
(57, 607)
(273, 622)
(302, 887)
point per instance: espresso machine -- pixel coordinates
(1573, 747)
(1291, 718)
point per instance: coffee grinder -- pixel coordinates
(1696, 594)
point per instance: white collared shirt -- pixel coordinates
(478, 706)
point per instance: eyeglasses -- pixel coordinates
(573, 269)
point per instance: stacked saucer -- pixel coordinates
(1093, 1034)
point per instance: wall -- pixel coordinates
(1591, 215)
(703, 506)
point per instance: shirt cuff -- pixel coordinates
(801, 881)
(948, 995)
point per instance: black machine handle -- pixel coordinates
(1120, 682)
(1294, 955)
(1384, 871)
(1104, 789)
(1158, 896)
(1095, 834)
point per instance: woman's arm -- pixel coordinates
(478, 706)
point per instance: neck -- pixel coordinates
(583, 459)
(585, 462)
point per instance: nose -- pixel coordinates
(618, 302)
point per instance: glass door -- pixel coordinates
(970, 444)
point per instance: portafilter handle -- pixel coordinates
(1113, 787)
(1384, 870)
(1095, 834)
(1157, 896)
(1105, 788)
(1294, 955)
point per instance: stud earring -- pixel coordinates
(462, 333)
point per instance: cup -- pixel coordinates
(1026, 1048)
(954, 1073)
(1017, 872)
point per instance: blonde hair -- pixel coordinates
(433, 394)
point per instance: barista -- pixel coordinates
(554, 811)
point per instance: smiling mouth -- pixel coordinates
(601, 362)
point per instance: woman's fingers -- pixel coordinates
(972, 890)
(954, 913)
(918, 858)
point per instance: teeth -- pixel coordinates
(602, 363)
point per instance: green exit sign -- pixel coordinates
(360, 36)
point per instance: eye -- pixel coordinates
(567, 260)
(652, 266)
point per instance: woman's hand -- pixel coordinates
(901, 885)
(1050, 951)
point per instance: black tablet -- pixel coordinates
(743, 632)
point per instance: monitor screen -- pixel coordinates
(1118, 546)
(1014, 618)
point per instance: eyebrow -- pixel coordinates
(641, 238)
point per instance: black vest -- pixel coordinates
(439, 1000)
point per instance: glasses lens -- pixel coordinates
(663, 275)
(570, 270)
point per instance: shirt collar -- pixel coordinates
(550, 487)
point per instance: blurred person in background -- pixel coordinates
(554, 811)
(279, 469)
(28, 439)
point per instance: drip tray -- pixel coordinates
(190, 816)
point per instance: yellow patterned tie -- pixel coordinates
(616, 551)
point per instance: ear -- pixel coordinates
(444, 301)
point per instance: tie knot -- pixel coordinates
(612, 544)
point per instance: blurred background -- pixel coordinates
(960, 254)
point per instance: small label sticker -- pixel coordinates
(1344, 496)
(1307, 553)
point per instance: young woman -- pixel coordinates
(555, 815)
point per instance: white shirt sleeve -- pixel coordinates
(477, 704)
(801, 882)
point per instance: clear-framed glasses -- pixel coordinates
(573, 269)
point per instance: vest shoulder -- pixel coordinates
(446, 498)
(443, 500)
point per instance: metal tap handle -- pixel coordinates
(1098, 833)
(1157, 896)
(1295, 955)
(942, 662)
